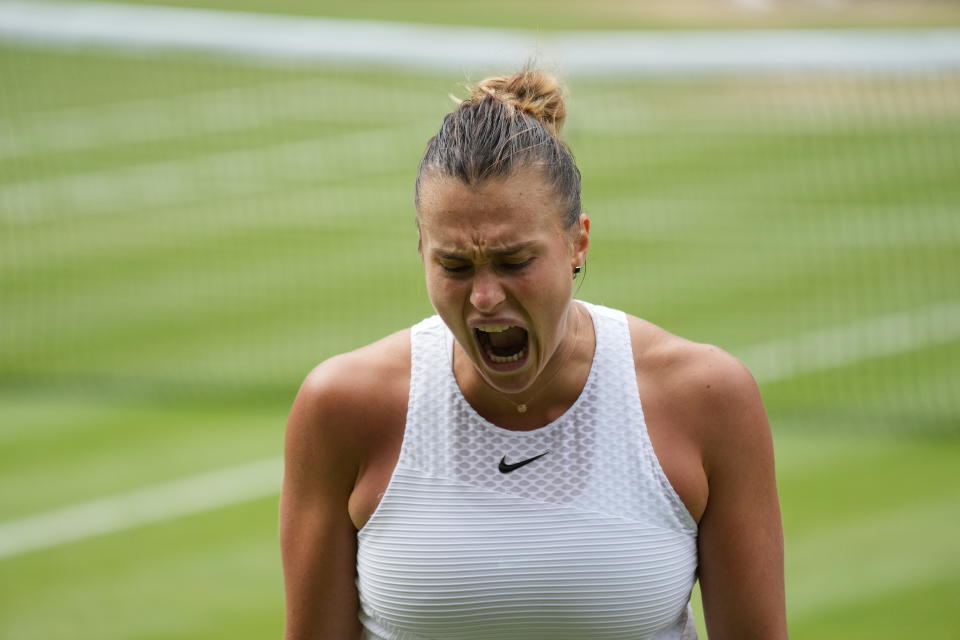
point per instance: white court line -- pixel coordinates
(211, 175)
(193, 494)
(297, 39)
(326, 100)
(840, 346)
(770, 362)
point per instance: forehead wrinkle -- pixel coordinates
(485, 222)
(477, 249)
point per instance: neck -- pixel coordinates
(553, 391)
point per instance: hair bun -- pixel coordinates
(534, 92)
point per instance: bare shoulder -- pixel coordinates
(345, 398)
(711, 392)
(359, 380)
(710, 416)
(331, 434)
(695, 371)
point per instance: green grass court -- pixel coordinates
(183, 238)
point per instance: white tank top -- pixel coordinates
(569, 531)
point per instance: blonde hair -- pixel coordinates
(507, 123)
(534, 92)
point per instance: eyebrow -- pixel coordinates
(506, 251)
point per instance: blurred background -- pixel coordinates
(200, 201)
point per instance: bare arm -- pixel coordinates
(318, 539)
(741, 536)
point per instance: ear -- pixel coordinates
(581, 241)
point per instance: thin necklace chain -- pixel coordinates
(522, 406)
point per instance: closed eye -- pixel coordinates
(505, 266)
(515, 266)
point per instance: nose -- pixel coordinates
(486, 293)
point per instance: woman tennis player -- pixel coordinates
(525, 465)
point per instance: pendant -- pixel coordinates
(521, 408)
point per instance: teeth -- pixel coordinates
(495, 358)
(493, 328)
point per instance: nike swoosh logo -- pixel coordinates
(507, 468)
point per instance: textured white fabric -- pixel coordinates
(588, 541)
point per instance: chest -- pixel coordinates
(442, 558)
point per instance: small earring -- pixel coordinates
(577, 270)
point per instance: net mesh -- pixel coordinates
(183, 226)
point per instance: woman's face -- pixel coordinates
(499, 264)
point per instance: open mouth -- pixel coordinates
(502, 343)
